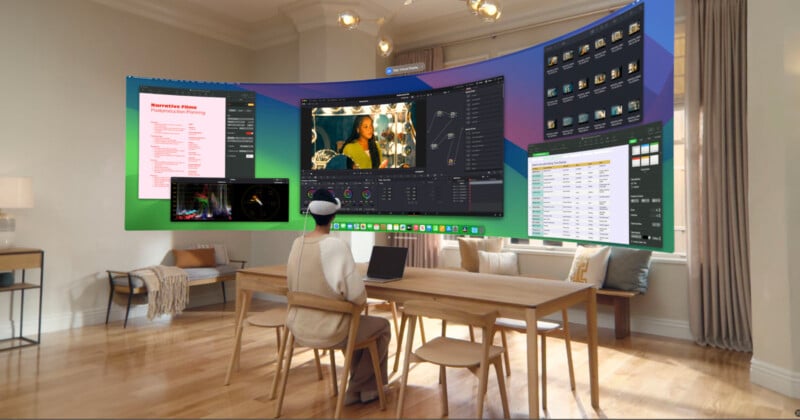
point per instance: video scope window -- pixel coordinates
(433, 152)
(607, 73)
(229, 200)
(604, 187)
(193, 133)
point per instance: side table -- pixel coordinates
(22, 259)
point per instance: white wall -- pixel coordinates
(774, 193)
(62, 121)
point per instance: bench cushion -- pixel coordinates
(628, 269)
(194, 274)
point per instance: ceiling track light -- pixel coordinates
(385, 46)
(487, 10)
(349, 19)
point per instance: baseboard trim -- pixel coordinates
(775, 378)
(640, 324)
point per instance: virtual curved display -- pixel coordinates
(586, 143)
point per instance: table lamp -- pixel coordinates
(15, 193)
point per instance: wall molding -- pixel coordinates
(774, 377)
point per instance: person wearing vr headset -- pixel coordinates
(323, 265)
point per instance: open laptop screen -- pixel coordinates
(387, 262)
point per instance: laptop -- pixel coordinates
(387, 263)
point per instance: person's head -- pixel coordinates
(323, 207)
(362, 128)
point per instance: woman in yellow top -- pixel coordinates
(361, 146)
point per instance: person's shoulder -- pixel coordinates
(329, 240)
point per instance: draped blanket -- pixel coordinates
(167, 289)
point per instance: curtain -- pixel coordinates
(718, 253)
(433, 57)
(423, 248)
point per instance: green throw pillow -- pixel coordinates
(628, 269)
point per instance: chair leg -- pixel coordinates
(333, 372)
(224, 298)
(279, 365)
(567, 342)
(110, 299)
(348, 361)
(406, 364)
(505, 351)
(317, 364)
(376, 366)
(290, 348)
(443, 381)
(483, 377)
(422, 330)
(399, 343)
(127, 310)
(501, 383)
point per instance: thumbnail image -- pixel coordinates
(634, 27)
(616, 36)
(567, 55)
(616, 110)
(552, 92)
(599, 43)
(567, 88)
(583, 50)
(616, 72)
(583, 118)
(634, 105)
(653, 160)
(636, 150)
(583, 84)
(551, 124)
(566, 121)
(599, 78)
(600, 114)
(654, 147)
(633, 66)
(552, 60)
(636, 162)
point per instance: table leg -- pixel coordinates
(533, 364)
(242, 305)
(591, 325)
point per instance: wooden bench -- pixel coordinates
(621, 301)
(125, 282)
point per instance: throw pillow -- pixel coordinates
(498, 263)
(628, 269)
(220, 253)
(589, 265)
(191, 258)
(469, 247)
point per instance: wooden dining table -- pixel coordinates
(522, 298)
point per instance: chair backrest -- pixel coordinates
(320, 303)
(431, 309)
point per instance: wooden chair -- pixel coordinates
(306, 300)
(446, 351)
(271, 318)
(543, 329)
(398, 331)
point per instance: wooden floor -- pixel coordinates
(176, 367)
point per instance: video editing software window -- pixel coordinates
(603, 187)
(229, 200)
(441, 151)
(594, 81)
